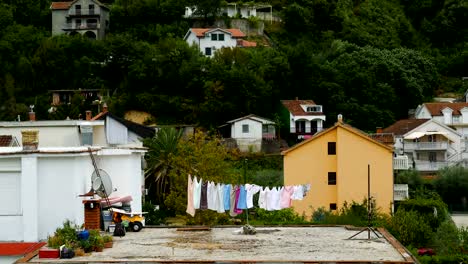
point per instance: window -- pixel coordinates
(332, 206)
(91, 9)
(315, 108)
(221, 37)
(78, 9)
(78, 22)
(245, 128)
(332, 178)
(214, 37)
(331, 148)
(208, 51)
(432, 156)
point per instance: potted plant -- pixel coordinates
(99, 244)
(86, 245)
(108, 241)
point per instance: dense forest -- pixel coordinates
(370, 60)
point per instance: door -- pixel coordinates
(300, 126)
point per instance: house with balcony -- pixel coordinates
(303, 118)
(454, 114)
(209, 40)
(89, 18)
(337, 163)
(249, 132)
(426, 144)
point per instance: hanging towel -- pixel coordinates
(262, 198)
(190, 208)
(227, 196)
(204, 197)
(298, 193)
(212, 195)
(236, 209)
(196, 193)
(242, 202)
(285, 199)
(232, 205)
(220, 198)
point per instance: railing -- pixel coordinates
(400, 192)
(268, 135)
(426, 145)
(82, 26)
(400, 163)
(307, 130)
(430, 165)
(83, 12)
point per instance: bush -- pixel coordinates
(447, 239)
(434, 211)
(65, 235)
(279, 217)
(410, 228)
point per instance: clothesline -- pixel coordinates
(222, 197)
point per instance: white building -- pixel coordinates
(39, 188)
(305, 117)
(209, 40)
(451, 114)
(86, 17)
(427, 144)
(249, 131)
(236, 10)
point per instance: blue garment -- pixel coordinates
(242, 203)
(227, 197)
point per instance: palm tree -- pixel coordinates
(161, 148)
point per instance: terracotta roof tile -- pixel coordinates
(245, 43)
(294, 107)
(436, 108)
(60, 5)
(235, 33)
(5, 140)
(403, 126)
(17, 249)
(386, 138)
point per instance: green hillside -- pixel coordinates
(370, 60)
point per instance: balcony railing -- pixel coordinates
(400, 192)
(307, 130)
(401, 163)
(83, 12)
(425, 145)
(268, 135)
(71, 26)
(422, 165)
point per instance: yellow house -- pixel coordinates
(335, 162)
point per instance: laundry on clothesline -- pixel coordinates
(220, 197)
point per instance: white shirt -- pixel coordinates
(196, 193)
(251, 190)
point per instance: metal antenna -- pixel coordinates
(369, 211)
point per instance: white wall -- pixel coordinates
(51, 183)
(48, 136)
(58, 21)
(255, 129)
(206, 42)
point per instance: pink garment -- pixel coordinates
(237, 210)
(190, 207)
(285, 199)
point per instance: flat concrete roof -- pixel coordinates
(270, 244)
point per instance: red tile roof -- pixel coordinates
(294, 107)
(235, 33)
(5, 140)
(17, 249)
(245, 43)
(60, 5)
(386, 138)
(436, 108)
(403, 126)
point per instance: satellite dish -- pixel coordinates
(101, 183)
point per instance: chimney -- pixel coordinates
(379, 130)
(104, 108)
(88, 115)
(340, 118)
(32, 116)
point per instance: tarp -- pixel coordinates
(421, 134)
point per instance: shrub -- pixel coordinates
(65, 235)
(434, 211)
(447, 239)
(410, 228)
(279, 217)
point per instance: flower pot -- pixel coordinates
(98, 249)
(108, 244)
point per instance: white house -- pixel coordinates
(305, 117)
(249, 131)
(451, 114)
(428, 144)
(209, 40)
(86, 17)
(261, 11)
(104, 130)
(39, 188)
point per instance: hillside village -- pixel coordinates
(138, 113)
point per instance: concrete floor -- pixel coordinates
(282, 244)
